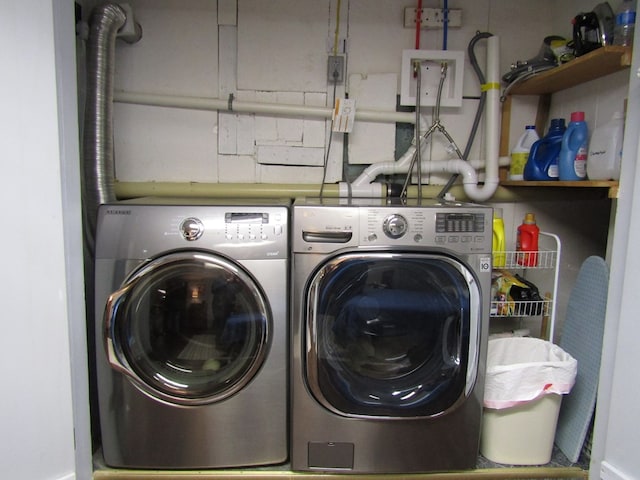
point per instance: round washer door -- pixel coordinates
(392, 335)
(188, 327)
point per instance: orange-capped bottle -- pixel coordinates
(527, 242)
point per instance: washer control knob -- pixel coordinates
(191, 229)
(417, 237)
(395, 226)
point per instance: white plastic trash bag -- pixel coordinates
(522, 369)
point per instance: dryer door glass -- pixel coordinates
(392, 334)
(189, 328)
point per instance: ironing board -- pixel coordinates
(582, 338)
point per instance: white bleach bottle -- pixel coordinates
(520, 152)
(605, 150)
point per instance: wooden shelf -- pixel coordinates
(609, 184)
(595, 64)
(598, 63)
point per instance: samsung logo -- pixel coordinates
(115, 211)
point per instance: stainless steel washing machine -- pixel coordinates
(192, 322)
(390, 310)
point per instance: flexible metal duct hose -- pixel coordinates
(99, 169)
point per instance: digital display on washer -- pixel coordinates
(459, 222)
(246, 217)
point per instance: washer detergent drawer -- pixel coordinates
(392, 335)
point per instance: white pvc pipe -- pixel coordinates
(237, 106)
(364, 185)
(492, 127)
(461, 167)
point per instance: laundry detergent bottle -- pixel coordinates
(527, 241)
(499, 253)
(572, 163)
(520, 152)
(605, 150)
(543, 157)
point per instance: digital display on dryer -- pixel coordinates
(459, 222)
(246, 217)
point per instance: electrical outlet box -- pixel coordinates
(430, 62)
(432, 18)
(335, 69)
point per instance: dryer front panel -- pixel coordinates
(392, 334)
(188, 328)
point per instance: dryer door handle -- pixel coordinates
(112, 309)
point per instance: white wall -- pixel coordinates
(617, 429)
(276, 51)
(35, 362)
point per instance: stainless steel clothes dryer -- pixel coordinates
(390, 309)
(192, 334)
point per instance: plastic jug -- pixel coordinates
(543, 157)
(499, 254)
(605, 150)
(520, 153)
(572, 163)
(527, 242)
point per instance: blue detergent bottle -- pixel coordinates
(572, 163)
(543, 157)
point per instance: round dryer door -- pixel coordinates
(188, 327)
(392, 335)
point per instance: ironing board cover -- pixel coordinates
(582, 338)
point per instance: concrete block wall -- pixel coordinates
(276, 52)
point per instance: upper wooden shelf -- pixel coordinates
(598, 63)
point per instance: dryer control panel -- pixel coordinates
(239, 231)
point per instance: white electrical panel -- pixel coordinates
(431, 66)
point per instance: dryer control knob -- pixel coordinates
(191, 229)
(395, 226)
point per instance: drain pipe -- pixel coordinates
(232, 105)
(365, 185)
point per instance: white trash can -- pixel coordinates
(525, 381)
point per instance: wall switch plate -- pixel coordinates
(432, 18)
(430, 62)
(335, 69)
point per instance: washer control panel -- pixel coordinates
(460, 229)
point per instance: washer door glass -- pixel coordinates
(188, 327)
(392, 334)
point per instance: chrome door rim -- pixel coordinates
(117, 355)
